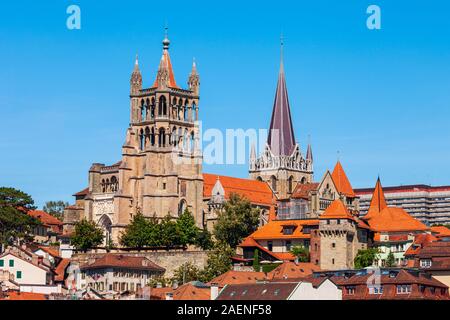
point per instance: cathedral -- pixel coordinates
(160, 171)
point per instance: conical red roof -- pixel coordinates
(378, 202)
(341, 181)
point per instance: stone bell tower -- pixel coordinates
(282, 164)
(161, 152)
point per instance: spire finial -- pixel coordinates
(281, 48)
(166, 41)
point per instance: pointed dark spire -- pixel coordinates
(309, 154)
(281, 133)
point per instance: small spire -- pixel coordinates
(166, 41)
(253, 152)
(194, 66)
(309, 154)
(136, 63)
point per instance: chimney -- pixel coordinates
(35, 259)
(175, 285)
(159, 285)
(214, 291)
(169, 296)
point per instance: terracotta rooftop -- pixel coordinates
(237, 277)
(192, 291)
(292, 270)
(377, 203)
(45, 218)
(341, 181)
(122, 261)
(337, 210)
(60, 270)
(274, 229)
(14, 295)
(82, 192)
(256, 192)
(395, 220)
(165, 63)
(440, 231)
(302, 191)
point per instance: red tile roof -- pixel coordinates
(257, 192)
(341, 181)
(378, 202)
(395, 220)
(14, 295)
(274, 229)
(82, 192)
(165, 62)
(337, 210)
(192, 291)
(122, 261)
(302, 191)
(249, 242)
(60, 270)
(45, 218)
(236, 277)
(440, 231)
(292, 270)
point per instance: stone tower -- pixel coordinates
(282, 164)
(160, 172)
(341, 236)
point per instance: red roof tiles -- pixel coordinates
(292, 270)
(341, 181)
(337, 210)
(256, 192)
(122, 261)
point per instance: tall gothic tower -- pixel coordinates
(282, 164)
(160, 172)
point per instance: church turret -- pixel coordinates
(310, 158)
(194, 80)
(165, 77)
(136, 78)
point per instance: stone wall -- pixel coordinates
(170, 260)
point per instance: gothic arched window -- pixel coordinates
(192, 142)
(114, 184)
(290, 184)
(162, 137)
(174, 137)
(273, 181)
(162, 109)
(152, 137)
(152, 109)
(141, 140)
(185, 110)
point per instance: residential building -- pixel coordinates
(391, 284)
(429, 204)
(49, 228)
(434, 259)
(26, 268)
(115, 273)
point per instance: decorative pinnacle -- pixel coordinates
(166, 41)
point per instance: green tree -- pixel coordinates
(256, 266)
(186, 228)
(365, 258)
(204, 239)
(87, 235)
(138, 233)
(55, 208)
(219, 261)
(237, 220)
(301, 253)
(185, 273)
(390, 260)
(15, 223)
(169, 233)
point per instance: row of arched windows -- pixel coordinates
(181, 110)
(108, 185)
(178, 137)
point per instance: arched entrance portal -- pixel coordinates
(106, 224)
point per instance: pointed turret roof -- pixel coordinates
(309, 154)
(337, 210)
(281, 132)
(378, 202)
(341, 181)
(166, 64)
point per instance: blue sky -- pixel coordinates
(382, 98)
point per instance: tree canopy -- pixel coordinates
(237, 220)
(15, 223)
(365, 258)
(301, 253)
(87, 235)
(55, 208)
